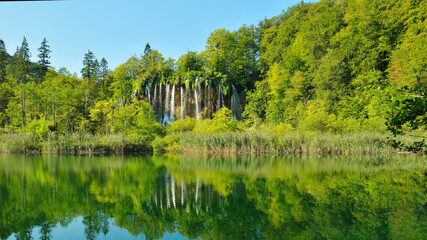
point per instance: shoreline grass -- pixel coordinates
(250, 142)
(292, 143)
(79, 144)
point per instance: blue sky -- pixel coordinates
(117, 29)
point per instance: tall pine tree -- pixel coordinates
(89, 66)
(103, 68)
(44, 60)
(22, 64)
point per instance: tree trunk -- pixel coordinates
(53, 110)
(24, 122)
(68, 117)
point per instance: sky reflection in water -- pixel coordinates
(205, 197)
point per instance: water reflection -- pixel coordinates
(209, 197)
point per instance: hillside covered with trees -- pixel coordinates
(331, 66)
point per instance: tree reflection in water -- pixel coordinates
(216, 197)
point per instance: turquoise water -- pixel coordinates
(208, 197)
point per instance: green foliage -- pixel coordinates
(39, 127)
(137, 120)
(220, 123)
(89, 69)
(258, 99)
(44, 59)
(169, 143)
(182, 125)
(407, 106)
(318, 119)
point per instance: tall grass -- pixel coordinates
(250, 142)
(19, 143)
(71, 144)
(306, 143)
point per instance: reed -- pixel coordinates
(71, 144)
(249, 142)
(19, 143)
(304, 143)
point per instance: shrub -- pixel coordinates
(220, 123)
(170, 143)
(182, 125)
(39, 127)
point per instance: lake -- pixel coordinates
(210, 197)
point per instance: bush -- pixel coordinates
(182, 125)
(170, 143)
(221, 123)
(39, 127)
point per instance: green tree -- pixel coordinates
(44, 56)
(21, 67)
(103, 68)
(407, 106)
(125, 76)
(89, 66)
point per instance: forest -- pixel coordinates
(335, 68)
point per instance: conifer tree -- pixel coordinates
(23, 61)
(44, 59)
(89, 66)
(103, 68)
(147, 49)
(21, 70)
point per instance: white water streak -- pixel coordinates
(172, 112)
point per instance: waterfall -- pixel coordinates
(196, 84)
(155, 98)
(172, 113)
(236, 107)
(147, 92)
(167, 107)
(160, 104)
(182, 102)
(219, 97)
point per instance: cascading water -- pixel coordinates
(220, 99)
(196, 85)
(172, 112)
(160, 114)
(166, 117)
(147, 92)
(236, 107)
(182, 102)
